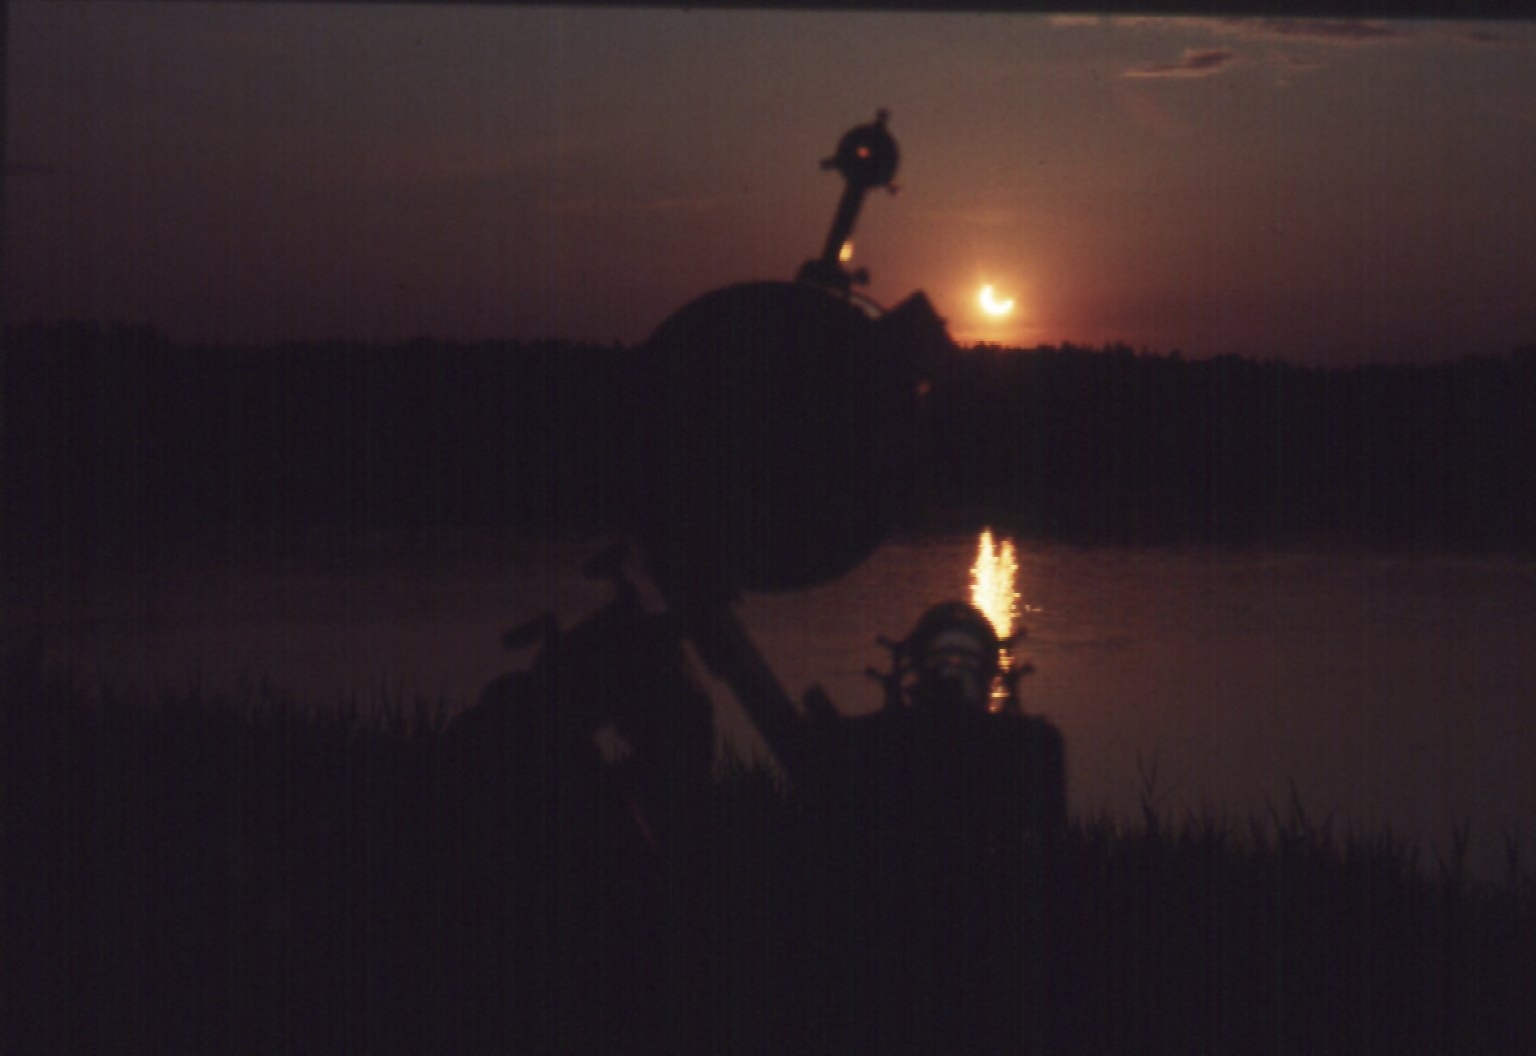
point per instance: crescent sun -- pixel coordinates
(991, 305)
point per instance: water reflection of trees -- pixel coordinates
(1142, 446)
(119, 426)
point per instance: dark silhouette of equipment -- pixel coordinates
(777, 434)
(939, 687)
(774, 426)
(620, 670)
(867, 157)
(948, 662)
(775, 438)
(779, 422)
(775, 431)
(929, 828)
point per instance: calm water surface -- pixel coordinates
(1386, 688)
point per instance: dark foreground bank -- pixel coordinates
(192, 874)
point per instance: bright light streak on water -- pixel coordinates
(994, 590)
(994, 580)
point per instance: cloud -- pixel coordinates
(1076, 21)
(1332, 31)
(1484, 37)
(1322, 30)
(1509, 36)
(1195, 62)
(1316, 30)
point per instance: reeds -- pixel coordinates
(197, 872)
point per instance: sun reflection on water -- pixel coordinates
(994, 590)
(993, 582)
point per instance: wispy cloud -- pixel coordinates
(1195, 62)
(1501, 36)
(1322, 30)
(1319, 30)
(1300, 32)
(1076, 21)
(1484, 36)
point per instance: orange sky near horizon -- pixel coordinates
(1322, 192)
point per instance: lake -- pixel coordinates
(1395, 688)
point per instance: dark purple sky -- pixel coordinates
(1319, 191)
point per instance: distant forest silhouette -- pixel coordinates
(116, 437)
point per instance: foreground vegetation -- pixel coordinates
(190, 873)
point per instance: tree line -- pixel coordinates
(1114, 444)
(113, 434)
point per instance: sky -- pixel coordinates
(1323, 192)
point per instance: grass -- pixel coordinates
(186, 872)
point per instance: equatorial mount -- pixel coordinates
(867, 158)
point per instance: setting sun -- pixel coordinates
(992, 306)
